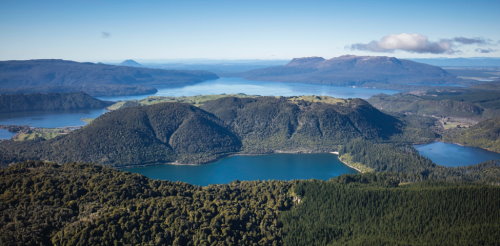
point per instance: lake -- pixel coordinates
(453, 155)
(51, 119)
(218, 86)
(251, 167)
(263, 88)
(5, 134)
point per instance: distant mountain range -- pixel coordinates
(178, 132)
(351, 70)
(33, 76)
(461, 62)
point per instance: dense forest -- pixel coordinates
(364, 210)
(49, 102)
(479, 102)
(177, 132)
(96, 79)
(83, 204)
(485, 134)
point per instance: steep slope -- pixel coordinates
(177, 132)
(353, 70)
(167, 132)
(49, 101)
(95, 79)
(267, 124)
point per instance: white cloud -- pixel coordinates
(410, 42)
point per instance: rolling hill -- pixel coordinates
(178, 132)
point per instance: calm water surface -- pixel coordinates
(4, 134)
(263, 88)
(52, 119)
(453, 155)
(259, 167)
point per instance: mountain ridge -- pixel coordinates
(182, 133)
(55, 75)
(353, 70)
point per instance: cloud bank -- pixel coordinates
(418, 43)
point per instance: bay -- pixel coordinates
(454, 155)
(250, 167)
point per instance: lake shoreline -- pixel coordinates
(237, 154)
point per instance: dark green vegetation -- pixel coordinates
(177, 132)
(379, 71)
(136, 136)
(79, 204)
(480, 102)
(268, 124)
(404, 162)
(49, 102)
(373, 210)
(485, 134)
(455, 112)
(82, 204)
(95, 79)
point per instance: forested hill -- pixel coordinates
(31, 76)
(82, 204)
(480, 102)
(177, 132)
(354, 70)
(49, 102)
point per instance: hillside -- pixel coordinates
(177, 132)
(351, 70)
(32, 76)
(468, 105)
(82, 204)
(49, 102)
(268, 124)
(159, 133)
(485, 134)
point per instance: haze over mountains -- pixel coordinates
(32, 76)
(354, 71)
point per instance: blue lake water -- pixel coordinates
(453, 155)
(219, 86)
(50, 119)
(263, 88)
(4, 134)
(258, 167)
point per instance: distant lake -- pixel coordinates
(50, 119)
(219, 86)
(258, 167)
(453, 155)
(262, 88)
(4, 134)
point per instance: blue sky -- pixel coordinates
(107, 30)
